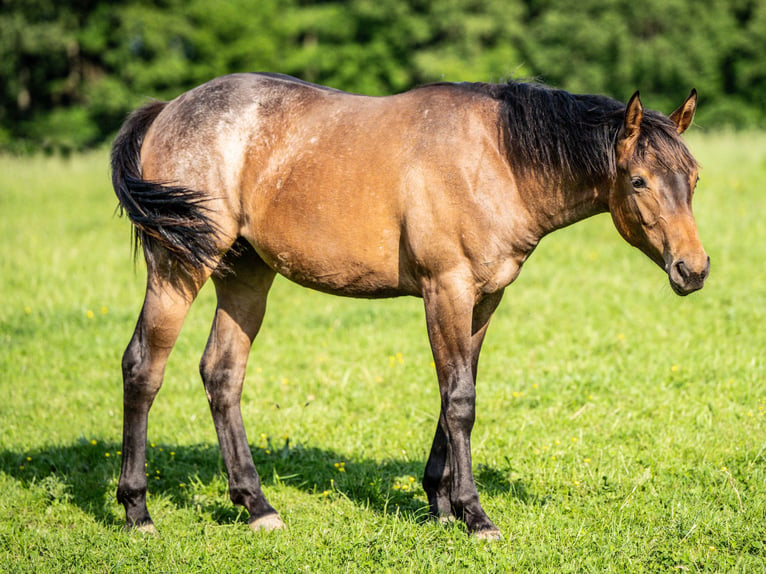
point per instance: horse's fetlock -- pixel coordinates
(238, 496)
(251, 498)
(130, 496)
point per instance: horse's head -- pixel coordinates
(651, 198)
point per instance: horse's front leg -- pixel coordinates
(456, 327)
(436, 479)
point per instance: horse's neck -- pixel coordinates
(585, 200)
(557, 205)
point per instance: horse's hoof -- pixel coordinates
(145, 528)
(445, 519)
(267, 523)
(488, 534)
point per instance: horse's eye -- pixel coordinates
(638, 182)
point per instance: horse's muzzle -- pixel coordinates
(687, 277)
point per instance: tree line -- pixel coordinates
(70, 71)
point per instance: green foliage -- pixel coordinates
(106, 59)
(70, 71)
(620, 428)
(662, 47)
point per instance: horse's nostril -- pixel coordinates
(681, 269)
(706, 270)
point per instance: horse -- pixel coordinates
(441, 192)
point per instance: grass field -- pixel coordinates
(620, 428)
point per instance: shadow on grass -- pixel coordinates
(86, 473)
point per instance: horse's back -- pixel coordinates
(217, 120)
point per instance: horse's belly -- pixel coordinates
(350, 264)
(352, 278)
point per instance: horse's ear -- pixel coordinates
(684, 115)
(631, 128)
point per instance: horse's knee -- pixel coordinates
(460, 408)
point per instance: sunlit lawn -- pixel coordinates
(620, 428)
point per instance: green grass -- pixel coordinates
(620, 428)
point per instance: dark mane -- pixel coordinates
(562, 135)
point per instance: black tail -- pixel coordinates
(164, 216)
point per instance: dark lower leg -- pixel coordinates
(241, 306)
(436, 480)
(143, 367)
(223, 373)
(244, 482)
(459, 414)
(131, 491)
(456, 327)
(141, 384)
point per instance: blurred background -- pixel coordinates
(70, 71)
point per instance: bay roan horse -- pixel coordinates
(441, 192)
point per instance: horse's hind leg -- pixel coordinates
(143, 365)
(241, 305)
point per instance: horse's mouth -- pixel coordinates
(684, 290)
